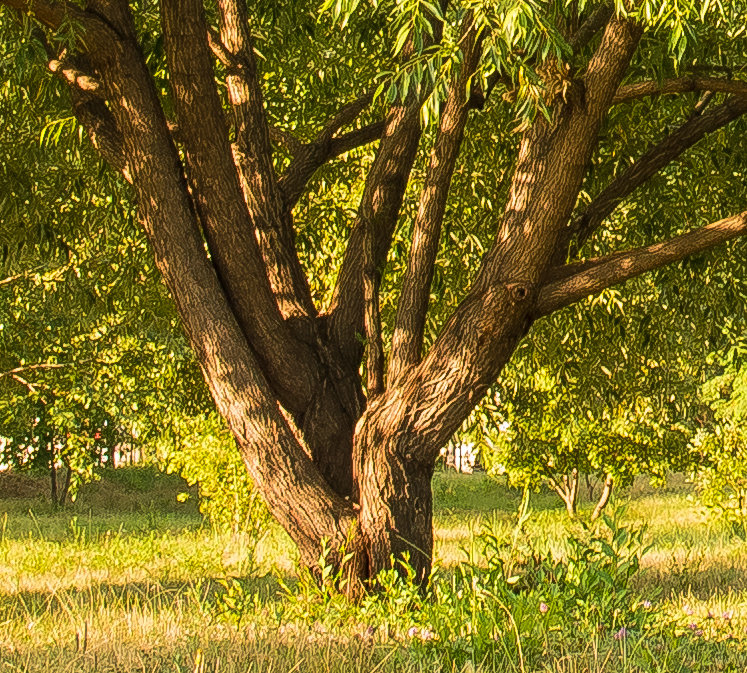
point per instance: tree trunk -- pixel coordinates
(567, 489)
(66, 484)
(572, 483)
(590, 485)
(53, 473)
(604, 498)
(396, 501)
(330, 464)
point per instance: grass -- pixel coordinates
(129, 579)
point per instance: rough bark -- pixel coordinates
(679, 85)
(253, 158)
(378, 212)
(431, 400)
(293, 487)
(218, 199)
(412, 306)
(285, 380)
(285, 340)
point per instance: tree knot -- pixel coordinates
(518, 292)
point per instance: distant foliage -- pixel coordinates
(721, 478)
(203, 452)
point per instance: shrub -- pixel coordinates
(202, 450)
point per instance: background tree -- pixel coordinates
(90, 356)
(630, 399)
(721, 444)
(220, 149)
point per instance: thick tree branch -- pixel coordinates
(357, 138)
(379, 209)
(252, 152)
(679, 85)
(412, 308)
(606, 67)
(433, 398)
(372, 321)
(220, 51)
(87, 98)
(308, 158)
(278, 464)
(595, 275)
(591, 26)
(381, 201)
(659, 156)
(219, 200)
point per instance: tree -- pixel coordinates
(217, 147)
(721, 444)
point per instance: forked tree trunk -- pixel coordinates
(567, 488)
(330, 464)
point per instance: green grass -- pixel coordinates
(129, 579)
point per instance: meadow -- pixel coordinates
(130, 579)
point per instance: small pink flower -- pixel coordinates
(543, 608)
(412, 632)
(692, 626)
(621, 634)
(647, 603)
(427, 634)
(728, 615)
(688, 610)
